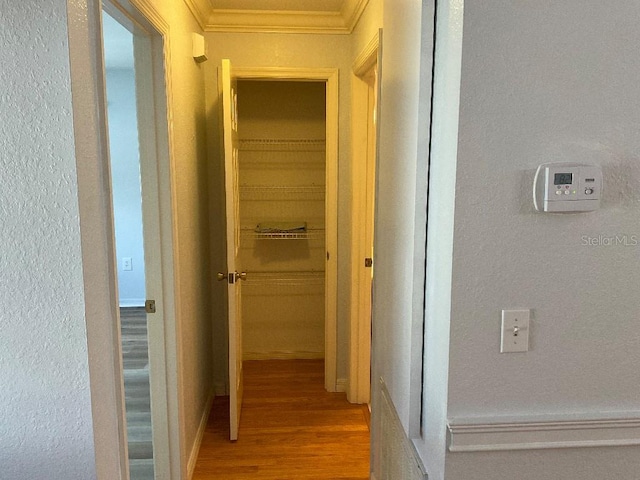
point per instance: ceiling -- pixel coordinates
(278, 16)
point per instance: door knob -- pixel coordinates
(221, 276)
(241, 276)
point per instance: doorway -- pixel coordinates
(282, 172)
(137, 160)
(229, 79)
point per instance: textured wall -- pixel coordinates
(535, 91)
(552, 82)
(46, 428)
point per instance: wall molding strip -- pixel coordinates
(528, 434)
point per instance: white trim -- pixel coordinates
(199, 9)
(359, 386)
(341, 385)
(330, 77)
(97, 239)
(282, 21)
(282, 355)
(351, 12)
(527, 434)
(367, 57)
(195, 451)
(221, 389)
(168, 411)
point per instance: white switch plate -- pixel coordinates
(515, 331)
(126, 264)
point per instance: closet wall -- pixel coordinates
(282, 187)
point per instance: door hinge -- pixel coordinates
(368, 262)
(150, 306)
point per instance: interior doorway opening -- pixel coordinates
(282, 172)
(124, 161)
(280, 145)
(137, 161)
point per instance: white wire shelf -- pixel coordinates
(285, 279)
(309, 234)
(279, 192)
(282, 145)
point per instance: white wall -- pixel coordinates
(46, 428)
(125, 173)
(539, 83)
(396, 202)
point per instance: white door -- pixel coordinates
(230, 139)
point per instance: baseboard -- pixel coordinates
(220, 389)
(341, 385)
(195, 450)
(473, 435)
(283, 355)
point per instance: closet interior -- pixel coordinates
(282, 162)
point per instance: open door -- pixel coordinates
(230, 140)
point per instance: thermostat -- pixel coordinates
(567, 188)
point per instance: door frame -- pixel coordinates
(359, 385)
(330, 77)
(164, 382)
(98, 238)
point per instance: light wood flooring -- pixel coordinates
(135, 359)
(290, 429)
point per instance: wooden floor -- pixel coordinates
(290, 428)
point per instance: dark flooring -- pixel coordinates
(135, 356)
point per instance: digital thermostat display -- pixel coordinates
(563, 179)
(566, 187)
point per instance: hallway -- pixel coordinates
(290, 428)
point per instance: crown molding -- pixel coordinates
(282, 21)
(200, 9)
(352, 11)
(526, 434)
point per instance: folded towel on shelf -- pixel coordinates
(281, 227)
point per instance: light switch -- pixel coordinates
(515, 331)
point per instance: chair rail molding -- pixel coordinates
(526, 433)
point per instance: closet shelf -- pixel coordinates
(282, 145)
(279, 192)
(285, 279)
(309, 234)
